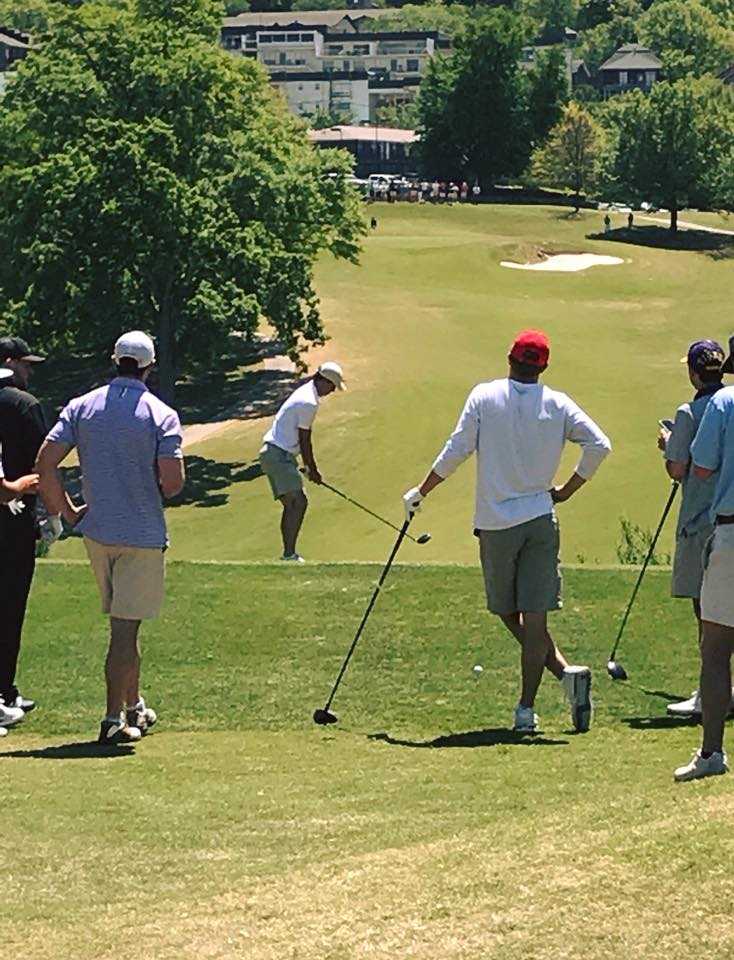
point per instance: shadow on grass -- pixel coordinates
(493, 737)
(84, 750)
(205, 479)
(660, 723)
(720, 246)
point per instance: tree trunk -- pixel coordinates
(674, 219)
(166, 352)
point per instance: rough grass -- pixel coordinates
(417, 828)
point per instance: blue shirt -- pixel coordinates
(121, 430)
(713, 449)
(695, 508)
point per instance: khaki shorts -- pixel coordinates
(130, 579)
(688, 564)
(717, 595)
(281, 469)
(521, 567)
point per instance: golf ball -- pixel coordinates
(478, 670)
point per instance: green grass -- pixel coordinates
(429, 313)
(416, 828)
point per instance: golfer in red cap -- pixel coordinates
(517, 427)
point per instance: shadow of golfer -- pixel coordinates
(86, 750)
(493, 737)
(660, 723)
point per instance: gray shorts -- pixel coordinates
(521, 567)
(688, 564)
(281, 469)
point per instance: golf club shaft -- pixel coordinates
(650, 552)
(401, 536)
(366, 509)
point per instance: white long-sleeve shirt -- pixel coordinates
(518, 431)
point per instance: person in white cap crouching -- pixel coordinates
(129, 445)
(289, 435)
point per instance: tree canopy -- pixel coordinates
(572, 155)
(690, 39)
(150, 180)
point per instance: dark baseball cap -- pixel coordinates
(14, 348)
(705, 356)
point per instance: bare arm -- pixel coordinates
(304, 442)
(565, 492)
(172, 476)
(430, 483)
(51, 454)
(13, 489)
(702, 473)
(676, 471)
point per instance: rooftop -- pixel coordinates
(9, 41)
(306, 18)
(632, 56)
(374, 134)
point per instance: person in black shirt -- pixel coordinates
(22, 431)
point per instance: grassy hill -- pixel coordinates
(428, 313)
(417, 828)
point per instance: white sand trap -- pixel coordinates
(566, 263)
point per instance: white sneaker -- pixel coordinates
(3, 732)
(9, 716)
(686, 708)
(526, 720)
(702, 767)
(292, 558)
(577, 684)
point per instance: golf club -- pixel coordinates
(615, 670)
(324, 717)
(423, 538)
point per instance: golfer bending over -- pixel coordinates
(518, 428)
(291, 434)
(712, 451)
(129, 445)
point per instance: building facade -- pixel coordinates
(631, 67)
(14, 46)
(375, 149)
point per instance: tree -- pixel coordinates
(669, 146)
(600, 42)
(403, 115)
(688, 37)
(474, 121)
(572, 156)
(547, 92)
(449, 19)
(148, 180)
(234, 7)
(551, 15)
(321, 118)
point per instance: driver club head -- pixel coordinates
(423, 538)
(324, 717)
(616, 671)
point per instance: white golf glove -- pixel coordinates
(51, 529)
(16, 507)
(412, 502)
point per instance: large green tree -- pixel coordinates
(690, 39)
(148, 179)
(547, 92)
(473, 106)
(619, 26)
(671, 146)
(572, 155)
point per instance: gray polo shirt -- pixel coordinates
(697, 494)
(121, 430)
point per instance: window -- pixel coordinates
(622, 77)
(293, 37)
(265, 38)
(306, 37)
(278, 38)
(413, 66)
(347, 65)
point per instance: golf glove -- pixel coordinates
(412, 502)
(16, 507)
(51, 529)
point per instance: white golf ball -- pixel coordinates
(478, 670)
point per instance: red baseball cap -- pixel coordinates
(531, 346)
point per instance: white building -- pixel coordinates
(335, 60)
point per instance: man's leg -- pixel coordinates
(17, 564)
(716, 651)
(294, 510)
(554, 661)
(534, 655)
(122, 667)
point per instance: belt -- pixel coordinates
(724, 518)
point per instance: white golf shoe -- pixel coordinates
(700, 766)
(686, 708)
(9, 716)
(3, 732)
(577, 684)
(526, 720)
(292, 558)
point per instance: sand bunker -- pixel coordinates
(566, 263)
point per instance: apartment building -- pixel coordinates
(335, 60)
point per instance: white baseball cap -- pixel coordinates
(333, 373)
(137, 346)
(5, 374)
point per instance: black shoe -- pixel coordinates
(25, 705)
(112, 733)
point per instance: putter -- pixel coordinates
(423, 538)
(615, 670)
(325, 716)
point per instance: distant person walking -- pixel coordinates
(695, 526)
(22, 429)
(290, 435)
(476, 192)
(630, 220)
(607, 224)
(712, 453)
(518, 429)
(129, 445)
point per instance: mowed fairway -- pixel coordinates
(417, 828)
(428, 313)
